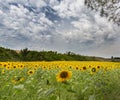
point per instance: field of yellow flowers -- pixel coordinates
(60, 80)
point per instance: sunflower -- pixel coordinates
(84, 68)
(30, 72)
(77, 68)
(5, 65)
(14, 67)
(98, 67)
(21, 66)
(93, 70)
(8, 67)
(63, 75)
(43, 67)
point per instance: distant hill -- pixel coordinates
(29, 55)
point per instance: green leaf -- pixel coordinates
(70, 90)
(54, 97)
(85, 89)
(50, 91)
(92, 97)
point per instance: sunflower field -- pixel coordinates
(60, 80)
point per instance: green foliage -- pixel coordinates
(82, 86)
(8, 55)
(106, 8)
(27, 55)
(23, 54)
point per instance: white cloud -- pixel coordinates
(82, 24)
(19, 11)
(1, 12)
(69, 8)
(53, 2)
(26, 23)
(37, 3)
(78, 29)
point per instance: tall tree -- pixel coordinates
(107, 8)
(24, 54)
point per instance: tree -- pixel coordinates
(107, 8)
(24, 54)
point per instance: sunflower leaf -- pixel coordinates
(54, 97)
(70, 90)
(50, 91)
(92, 97)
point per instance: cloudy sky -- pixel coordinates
(59, 25)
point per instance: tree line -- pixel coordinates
(30, 55)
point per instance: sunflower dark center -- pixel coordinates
(98, 66)
(76, 68)
(64, 74)
(84, 68)
(30, 72)
(14, 67)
